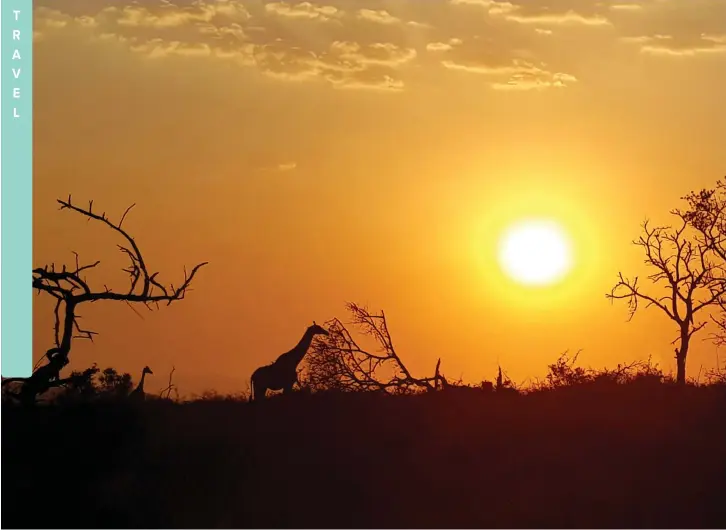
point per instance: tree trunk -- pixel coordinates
(681, 355)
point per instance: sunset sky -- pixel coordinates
(370, 151)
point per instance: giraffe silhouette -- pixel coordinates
(282, 374)
(138, 392)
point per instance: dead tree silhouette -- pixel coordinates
(339, 363)
(691, 274)
(69, 287)
(282, 374)
(138, 394)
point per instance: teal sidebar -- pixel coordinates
(16, 173)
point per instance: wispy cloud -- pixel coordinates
(568, 17)
(284, 167)
(303, 10)
(287, 166)
(626, 7)
(443, 46)
(516, 75)
(361, 45)
(379, 16)
(669, 46)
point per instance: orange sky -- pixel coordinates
(370, 151)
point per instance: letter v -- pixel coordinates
(16, 72)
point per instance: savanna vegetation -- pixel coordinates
(364, 441)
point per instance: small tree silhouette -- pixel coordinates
(689, 273)
(70, 289)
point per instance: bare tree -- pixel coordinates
(338, 362)
(687, 280)
(70, 289)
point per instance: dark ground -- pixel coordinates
(627, 456)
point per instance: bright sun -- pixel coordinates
(535, 252)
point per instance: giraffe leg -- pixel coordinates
(258, 391)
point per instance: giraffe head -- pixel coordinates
(147, 370)
(315, 329)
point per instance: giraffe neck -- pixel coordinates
(140, 388)
(298, 352)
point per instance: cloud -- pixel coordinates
(141, 16)
(215, 30)
(500, 67)
(540, 12)
(369, 45)
(158, 48)
(382, 82)
(381, 17)
(288, 166)
(626, 7)
(568, 17)
(438, 46)
(302, 10)
(518, 75)
(669, 46)
(718, 39)
(46, 18)
(443, 46)
(381, 54)
(536, 81)
(493, 7)
(284, 167)
(233, 30)
(344, 64)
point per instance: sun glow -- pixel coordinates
(535, 252)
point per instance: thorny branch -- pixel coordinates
(170, 387)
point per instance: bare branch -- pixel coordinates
(70, 289)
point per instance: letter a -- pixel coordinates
(16, 55)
